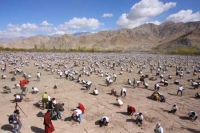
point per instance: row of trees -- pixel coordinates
(192, 50)
(43, 49)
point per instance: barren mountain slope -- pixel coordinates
(144, 37)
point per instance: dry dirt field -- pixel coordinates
(71, 93)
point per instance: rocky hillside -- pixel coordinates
(142, 38)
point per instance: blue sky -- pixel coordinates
(48, 17)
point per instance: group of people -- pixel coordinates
(54, 107)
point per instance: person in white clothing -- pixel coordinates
(35, 90)
(114, 77)
(123, 91)
(129, 81)
(180, 89)
(61, 73)
(95, 91)
(38, 76)
(104, 121)
(158, 129)
(77, 114)
(174, 109)
(119, 102)
(18, 98)
(88, 85)
(139, 118)
(157, 86)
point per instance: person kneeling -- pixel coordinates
(174, 109)
(95, 91)
(130, 110)
(193, 115)
(18, 98)
(104, 121)
(139, 118)
(35, 90)
(77, 114)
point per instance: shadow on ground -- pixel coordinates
(68, 119)
(192, 130)
(37, 130)
(184, 117)
(123, 113)
(7, 127)
(40, 114)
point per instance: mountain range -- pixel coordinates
(147, 37)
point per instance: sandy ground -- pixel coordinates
(70, 93)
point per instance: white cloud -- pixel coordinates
(184, 16)
(124, 22)
(60, 32)
(142, 11)
(13, 34)
(77, 23)
(47, 29)
(12, 27)
(29, 29)
(45, 23)
(107, 15)
(29, 26)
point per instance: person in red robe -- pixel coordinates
(130, 110)
(81, 107)
(49, 128)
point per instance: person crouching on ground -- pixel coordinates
(77, 114)
(95, 91)
(119, 102)
(193, 115)
(174, 109)
(18, 98)
(114, 92)
(35, 90)
(123, 91)
(130, 110)
(180, 89)
(158, 129)
(139, 118)
(104, 121)
(58, 107)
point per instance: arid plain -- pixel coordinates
(71, 92)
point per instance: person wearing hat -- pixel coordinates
(119, 102)
(104, 121)
(158, 129)
(193, 115)
(130, 110)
